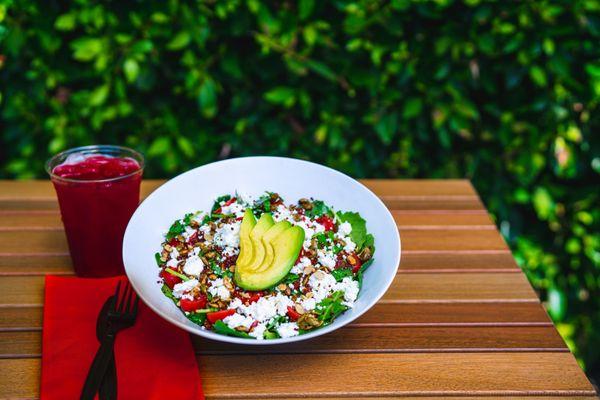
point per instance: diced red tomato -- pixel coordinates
(358, 264)
(173, 242)
(219, 315)
(170, 280)
(327, 222)
(193, 304)
(255, 296)
(293, 314)
(229, 202)
(194, 238)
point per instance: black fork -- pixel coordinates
(121, 316)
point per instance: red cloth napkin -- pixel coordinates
(155, 360)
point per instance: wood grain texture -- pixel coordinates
(42, 189)
(468, 287)
(22, 344)
(398, 203)
(460, 319)
(381, 315)
(419, 219)
(445, 262)
(431, 374)
(396, 194)
(16, 243)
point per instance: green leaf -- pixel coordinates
(207, 98)
(65, 22)
(340, 274)
(543, 203)
(538, 76)
(168, 292)
(305, 8)
(175, 230)
(319, 208)
(197, 318)
(180, 40)
(412, 108)
(359, 227)
(281, 95)
(386, 127)
(86, 48)
(160, 146)
(223, 329)
(131, 69)
(99, 95)
(321, 69)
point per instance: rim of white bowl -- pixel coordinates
(254, 342)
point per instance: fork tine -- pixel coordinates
(135, 305)
(126, 300)
(115, 301)
(131, 302)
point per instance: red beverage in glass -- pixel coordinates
(98, 189)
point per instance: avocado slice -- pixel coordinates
(265, 222)
(286, 247)
(267, 238)
(248, 223)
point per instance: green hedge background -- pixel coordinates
(503, 93)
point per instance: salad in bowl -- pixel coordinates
(260, 268)
(213, 253)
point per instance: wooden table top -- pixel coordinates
(460, 319)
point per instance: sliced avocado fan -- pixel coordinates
(269, 252)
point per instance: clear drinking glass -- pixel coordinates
(98, 189)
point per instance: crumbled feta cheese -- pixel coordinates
(236, 320)
(193, 265)
(259, 331)
(204, 229)
(234, 208)
(228, 235)
(230, 251)
(322, 285)
(308, 304)
(172, 263)
(350, 246)
(282, 213)
(196, 251)
(326, 258)
(217, 289)
(299, 267)
(181, 288)
(288, 329)
(235, 303)
(350, 289)
(174, 253)
(266, 307)
(344, 229)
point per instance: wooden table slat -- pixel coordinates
(42, 189)
(18, 243)
(467, 287)
(394, 314)
(416, 220)
(17, 344)
(411, 263)
(432, 374)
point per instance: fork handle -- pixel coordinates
(98, 368)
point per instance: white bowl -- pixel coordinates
(292, 179)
